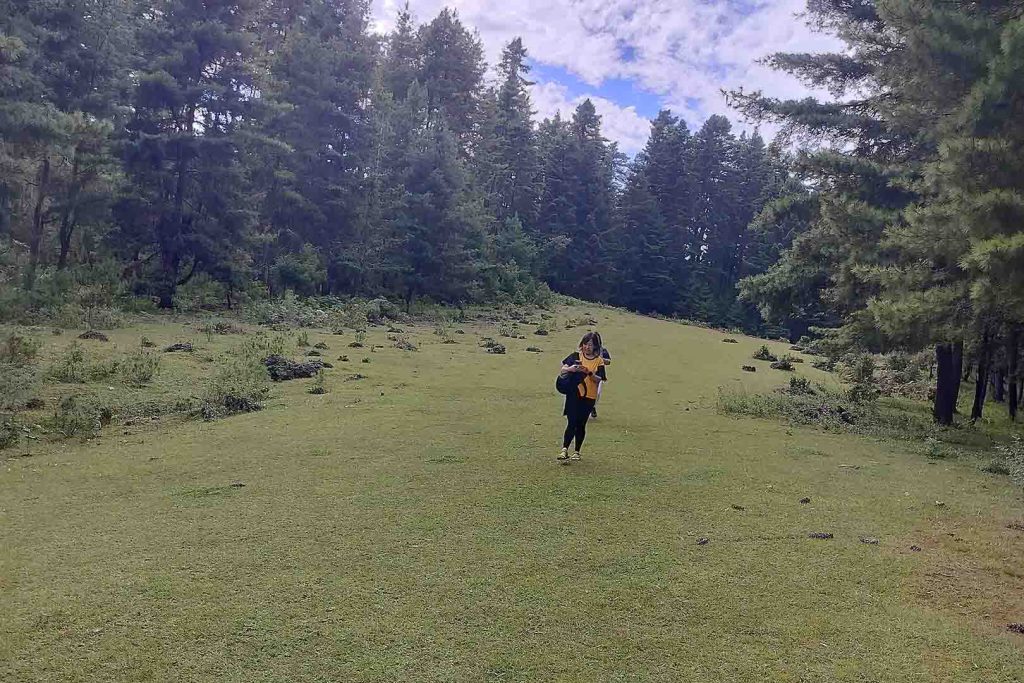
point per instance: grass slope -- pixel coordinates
(413, 525)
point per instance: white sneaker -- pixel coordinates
(575, 456)
(563, 454)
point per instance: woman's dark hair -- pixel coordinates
(592, 337)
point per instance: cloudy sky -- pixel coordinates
(634, 57)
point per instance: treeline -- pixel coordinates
(280, 145)
(914, 236)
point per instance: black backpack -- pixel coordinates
(568, 383)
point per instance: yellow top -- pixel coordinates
(588, 387)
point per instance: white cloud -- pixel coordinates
(621, 124)
(683, 51)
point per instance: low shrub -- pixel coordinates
(261, 345)
(10, 431)
(18, 349)
(405, 344)
(827, 409)
(70, 366)
(139, 369)
(444, 328)
(799, 386)
(240, 384)
(81, 415)
(1012, 454)
(318, 386)
(764, 353)
(20, 385)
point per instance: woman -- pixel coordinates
(580, 404)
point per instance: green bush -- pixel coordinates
(240, 385)
(138, 369)
(508, 329)
(799, 386)
(444, 327)
(20, 385)
(17, 349)
(1012, 454)
(318, 386)
(10, 431)
(829, 410)
(764, 353)
(72, 367)
(261, 345)
(81, 415)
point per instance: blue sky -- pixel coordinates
(634, 57)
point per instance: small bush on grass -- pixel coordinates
(20, 385)
(317, 386)
(405, 344)
(70, 366)
(139, 369)
(508, 329)
(764, 353)
(262, 345)
(444, 328)
(302, 339)
(1013, 458)
(239, 385)
(10, 431)
(827, 409)
(799, 386)
(81, 415)
(18, 349)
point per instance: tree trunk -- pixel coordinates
(958, 367)
(35, 239)
(981, 386)
(168, 278)
(1012, 345)
(946, 385)
(967, 371)
(999, 384)
(67, 221)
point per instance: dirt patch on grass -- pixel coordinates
(975, 572)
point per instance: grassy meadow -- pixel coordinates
(412, 524)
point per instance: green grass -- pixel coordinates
(414, 526)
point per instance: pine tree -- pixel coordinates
(510, 145)
(62, 70)
(317, 89)
(402, 57)
(643, 250)
(187, 198)
(452, 71)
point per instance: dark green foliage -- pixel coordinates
(10, 431)
(81, 415)
(220, 154)
(138, 369)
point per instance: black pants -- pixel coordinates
(577, 412)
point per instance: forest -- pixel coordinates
(275, 146)
(247, 150)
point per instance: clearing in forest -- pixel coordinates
(412, 524)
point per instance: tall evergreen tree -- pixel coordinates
(511, 145)
(452, 70)
(187, 198)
